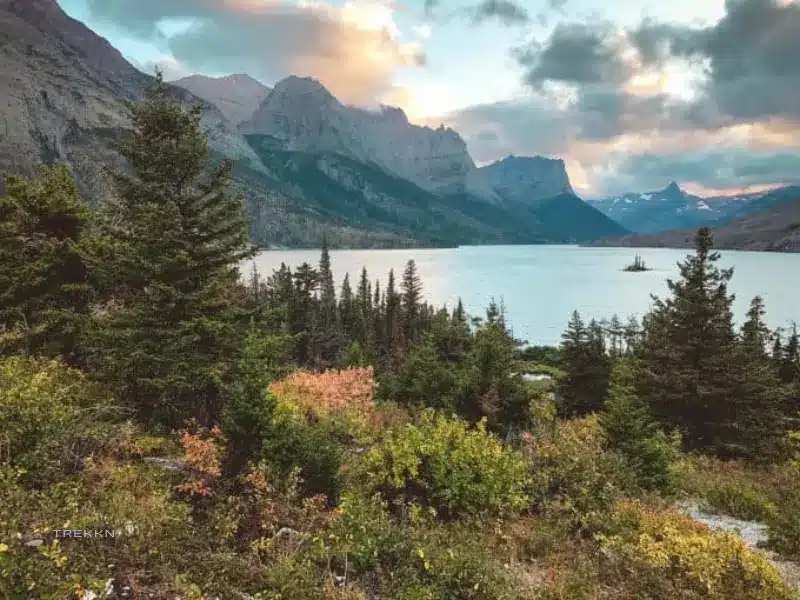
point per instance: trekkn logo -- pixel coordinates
(85, 533)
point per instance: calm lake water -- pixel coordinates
(542, 285)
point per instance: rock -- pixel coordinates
(523, 179)
(300, 114)
(34, 543)
(237, 96)
(64, 90)
(170, 464)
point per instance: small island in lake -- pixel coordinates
(637, 265)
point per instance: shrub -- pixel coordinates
(418, 558)
(739, 501)
(51, 418)
(314, 451)
(573, 475)
(202, 452)
(665, 555)
(320, 394)
(445, 464)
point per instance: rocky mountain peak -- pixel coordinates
(237, 96)
(525, 178)
(301, 115)
(302, 87)
(673, 189)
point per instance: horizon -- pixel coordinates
(631, 97)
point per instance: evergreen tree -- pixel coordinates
(280, 296)
(248, 415)
(304, 317)
(495, 390)
(364, 307)
(755, 334)
(616, 336)
(176, 239)
(411, 297)
(758, 426)
(328, 335)
(44, 290)
(632, 333)
(583, 388)
(630, 429)
(392, 329)
(687, 352)
(459, 315)
(348, 310)
(789, 367)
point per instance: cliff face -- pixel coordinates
(523, 179)
(237, 96)
(64, 90)
(300, 115)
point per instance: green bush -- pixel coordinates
(51, 418)
(314, 450)
(415, 558)
(445, 464)
(573, 475)
(740, 502)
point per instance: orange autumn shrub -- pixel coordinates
(320, 394)
(202, 452)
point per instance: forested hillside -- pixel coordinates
(271, 437)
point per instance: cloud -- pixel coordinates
(715, 169)
(634, 108)
(506, 12)
(577, 53)
(353, 49)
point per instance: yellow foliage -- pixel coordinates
(666, 550)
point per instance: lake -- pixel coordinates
(542, 285)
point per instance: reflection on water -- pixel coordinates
(541, 285)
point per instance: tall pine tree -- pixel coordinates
(176, 238)
(688, 350)
(44, 291)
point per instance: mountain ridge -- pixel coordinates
(774, 229)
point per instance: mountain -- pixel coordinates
(64, 91)
(309, 167)
(237, 96)
(670, 208)
(301, 115)
(775, 229)
(522, 179)
(343, 190)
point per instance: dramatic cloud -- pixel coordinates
(353, 49)
(718, 103)
(577, 54)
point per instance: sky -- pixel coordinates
(631, 94)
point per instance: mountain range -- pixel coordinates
(673, 208)
(308, 166)
(775, 229)
(669, 217)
